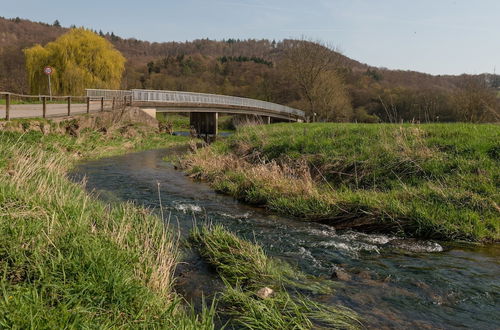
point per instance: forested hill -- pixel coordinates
(16, 34)
(255, 68)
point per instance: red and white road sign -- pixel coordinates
(48, 70)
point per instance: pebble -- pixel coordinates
(265, 293)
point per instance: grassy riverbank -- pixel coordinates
(438, 181)
(68, 260)
(90, 144)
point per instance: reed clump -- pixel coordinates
(245, 268)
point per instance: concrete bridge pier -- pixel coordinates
(204, 124)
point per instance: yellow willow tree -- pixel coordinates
(81, 59)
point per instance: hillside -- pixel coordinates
(17, 34)
(254, 68)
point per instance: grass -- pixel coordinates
(68, 260)
(245, 268)
(433, 181)
(238, 261)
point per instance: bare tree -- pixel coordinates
(475, 102)
(331, 99)
(306, 62)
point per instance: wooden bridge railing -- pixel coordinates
(42, 103)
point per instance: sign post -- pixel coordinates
(48, 71)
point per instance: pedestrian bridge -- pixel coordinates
(203, 108)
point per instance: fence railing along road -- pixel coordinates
(22, 106)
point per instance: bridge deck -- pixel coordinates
(220, 108)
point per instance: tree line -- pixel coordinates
(316, 78)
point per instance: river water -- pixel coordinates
(392, 283)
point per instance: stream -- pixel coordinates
(390, 282)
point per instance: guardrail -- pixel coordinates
(44, 105)
(143, 95)
(108, 93)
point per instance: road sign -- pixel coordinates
(48, 70)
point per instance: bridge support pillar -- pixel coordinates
(204, 124)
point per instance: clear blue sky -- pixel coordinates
(434, 36)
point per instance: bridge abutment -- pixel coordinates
(150, 112)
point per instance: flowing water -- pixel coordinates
(390, 282)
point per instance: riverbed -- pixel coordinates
(390, 282)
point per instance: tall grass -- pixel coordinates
(68, 260)
(438, 181)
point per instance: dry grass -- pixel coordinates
(286, 178)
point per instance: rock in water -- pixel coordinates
(341, 275)
(416, 246)
(265, 293)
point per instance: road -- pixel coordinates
(53, 110)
